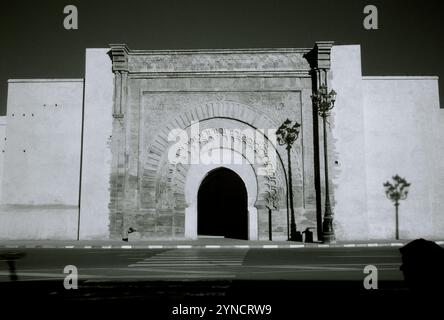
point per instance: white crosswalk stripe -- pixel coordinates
(194, 258)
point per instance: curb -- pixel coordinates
(264, 246)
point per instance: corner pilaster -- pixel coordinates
(119, 57)
(319, 59)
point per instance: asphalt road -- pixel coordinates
(292, 281)
(329, 264)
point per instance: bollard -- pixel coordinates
(308, 234)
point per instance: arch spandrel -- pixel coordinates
(161, 177)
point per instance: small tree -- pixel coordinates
(396, 191)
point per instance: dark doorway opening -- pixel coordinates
(222, 205)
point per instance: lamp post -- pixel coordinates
(286, 135)
(271, 204)
(395, 192)
(324, 102)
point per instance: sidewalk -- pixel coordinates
(190, 244)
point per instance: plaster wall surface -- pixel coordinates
(2, 149)
(40, 188)
(347, 145)
(96, 162)
(404, 126)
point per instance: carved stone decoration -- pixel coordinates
(272, 173)
(220, 96)
(119, 56)
(281, 60)
(160, 106)
(157, 92)
(252, 99)
(165, 198)
(271, 193)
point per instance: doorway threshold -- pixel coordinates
(210, 237)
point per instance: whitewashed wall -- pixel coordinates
(404, 128)
(348, 174)
(40, 184)
(2, 150)
(96, 165)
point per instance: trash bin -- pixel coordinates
(298, 236)
(308, 234)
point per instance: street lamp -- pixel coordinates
(324, 102)
(286, 135)
(271, 204)
(395, 192)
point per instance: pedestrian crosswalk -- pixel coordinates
(194, 258)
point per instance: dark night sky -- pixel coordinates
(35, 44)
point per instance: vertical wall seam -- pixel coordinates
(81, 159)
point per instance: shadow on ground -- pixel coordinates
(316, 298)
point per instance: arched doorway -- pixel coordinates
(222, 205)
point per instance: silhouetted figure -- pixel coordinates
(10, 258)
(423, 266)
(130, 230)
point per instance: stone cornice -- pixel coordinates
(220, 51)
(239, 74)
(119, 56)
(320, 56)
(324, 52)
(215, 62)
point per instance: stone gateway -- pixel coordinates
(116, 151)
